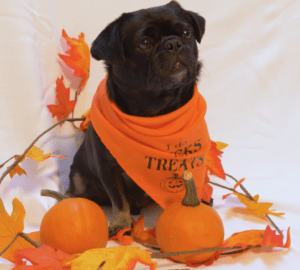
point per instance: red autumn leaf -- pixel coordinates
(138, 233)
(272, 240)
(126, 240)
(85, 124)
(142, 236)
(213, 162)
(226, 195)
(78, 58)
(262, 238)
(65, 106)
(43, 257)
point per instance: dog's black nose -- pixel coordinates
(173, 45)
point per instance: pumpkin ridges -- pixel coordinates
(75, 225)
(186, 243)
(182, 227)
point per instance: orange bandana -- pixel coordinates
(155, 151)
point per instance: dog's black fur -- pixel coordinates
(141, 51)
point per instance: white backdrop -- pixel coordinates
(250, 81)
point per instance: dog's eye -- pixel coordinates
(186, 34)
(145, 44)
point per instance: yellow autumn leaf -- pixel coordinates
(34, 153)
(256, 208)
(86, 113)
(37, 154)
(10, 226)
(85, 124)
(221, 145)
(116, 258)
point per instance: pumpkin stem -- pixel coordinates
(53, 194)
(191, 198)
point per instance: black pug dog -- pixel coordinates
(151, 59)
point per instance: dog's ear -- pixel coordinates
(198, 23)
(108, 46)
(174, 4)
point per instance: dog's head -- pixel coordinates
(152, 50)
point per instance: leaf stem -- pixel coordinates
(242, 187)
(171, 254)
(23, 155)
(28, 239)
(8, 160)
(275, 226)
(251, 198)
(76, 97)
(231, 189)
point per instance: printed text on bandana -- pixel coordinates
(182, 150)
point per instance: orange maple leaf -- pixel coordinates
(85, 124)
(43, 257)
(254, 238)
(140, 235)
(10, 226)
(16, 170)
(126, 240)
(65, 106)
(213, 162)
(244, 239)
(78, 58)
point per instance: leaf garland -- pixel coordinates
(125, 257)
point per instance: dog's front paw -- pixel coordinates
(120, 220)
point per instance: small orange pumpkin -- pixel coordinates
(189, 225)
(74, 225)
